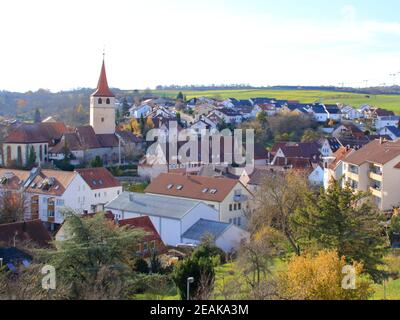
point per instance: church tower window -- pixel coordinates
(108, 101)
(100, 101)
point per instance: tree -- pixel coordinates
(346, 221)
(149, 124)
(277, 199)
(202, 270)
(136, 127)
(321, 278)
(38, 117)
(96, 258)
(262, 117)
(12, 207)
(125, 107)
(31, 157)
(208, 249)
(310, 135)
(256, 259)
(97, 162)
(141, 266)
(179, 96)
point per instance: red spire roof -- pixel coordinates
(102, 87)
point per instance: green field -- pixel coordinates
(390, 102)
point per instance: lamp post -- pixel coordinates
(188, 282)
(1, 262)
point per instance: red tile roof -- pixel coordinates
(29, 231)
(98, 178)
(376, 151)
(102, 86)
(41, 185)
(143, 223)
(37, 132)
(192, 187)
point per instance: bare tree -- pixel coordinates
(13, 206)
(277, 199)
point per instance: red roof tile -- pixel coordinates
(98, 178)
(102, 86)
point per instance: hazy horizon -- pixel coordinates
(58, 45)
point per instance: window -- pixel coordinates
(99, 101)
(235, 207)
(239, 206)
(234, 221)
(102, 119)
(239, 221)
(153, 245)
(230, 207)
(230, 220)
(41, 153)
(108, 101)
(145, 246)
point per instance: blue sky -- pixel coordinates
(58, 44)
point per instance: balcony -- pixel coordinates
(375, 176)
(376, 190)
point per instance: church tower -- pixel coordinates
(102, 106)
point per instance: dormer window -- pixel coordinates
(100, 101)
(108, 101)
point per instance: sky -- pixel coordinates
(58, 45)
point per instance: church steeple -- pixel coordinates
(102, 106)
(102, 86)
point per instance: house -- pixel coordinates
(84, 144)
(348, 130)
(203, 123)
(151, 242)
(260, 155)
(48, 192)
(329, 146)
(316, 176)
(18, 144)
(376, 168)
(334, 113)
(254, 180)
(351, 113)
(391, 131)
(288, 153)
(171, 216)
(229, 115)
(30, 232)
(226, 236)
(228, 196)
(319, 112)
(103, 187)
(386, 121)
(140, 111)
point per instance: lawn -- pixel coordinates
(392, 291)
(390, 102)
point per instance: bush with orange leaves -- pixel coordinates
(320, 277)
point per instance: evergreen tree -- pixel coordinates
(179, 96)
(96, 162)
(31, 157)
(125, 107)
(346, 221)
(38, 117)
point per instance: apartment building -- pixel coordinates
(376, 168)
(48, 192)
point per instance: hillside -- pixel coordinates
(390, 102)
